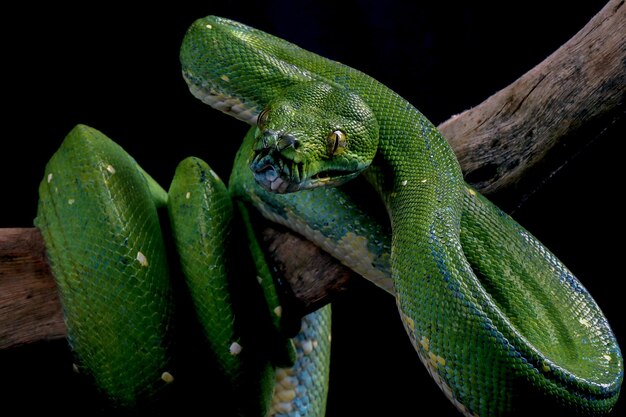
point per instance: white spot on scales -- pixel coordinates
(214, 174)
(141, 258)
(308, 346)
(235, 349)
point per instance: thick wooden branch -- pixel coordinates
(29, 303)
(532, 127)
(518, 134)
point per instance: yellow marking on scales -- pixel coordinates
(410, 323)
(188, 195)
(71, 201)
(167, 377)
(110, 169)
(286, 395)
(584, 322)
(50, 177)
(425, 342)
(359, 244)
(284, 391)
(225, 78)
(289, 382)
(436, 360)
(286, 378)
(278, 311)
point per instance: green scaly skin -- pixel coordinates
(302, 389)
(201, 215)
(489, 343)
(98, 216)
(105, 248)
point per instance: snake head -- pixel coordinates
(313, 135)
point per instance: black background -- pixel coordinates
(116, 69)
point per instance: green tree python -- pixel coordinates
(497, 320)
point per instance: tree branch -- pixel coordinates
(509, 143)
(532, 127)
(29, 304)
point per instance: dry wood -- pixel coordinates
(534, 125)
(311, 274)
(29, 302)
(520, 131)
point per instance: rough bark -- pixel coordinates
(29, 302)
(530, 128)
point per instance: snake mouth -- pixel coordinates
(276, 173)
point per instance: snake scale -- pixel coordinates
(497, 320)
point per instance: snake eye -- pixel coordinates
(261, 121)
(336, 142)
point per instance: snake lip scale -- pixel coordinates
(276, 173)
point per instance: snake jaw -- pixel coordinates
(279, 174)
(275, 173)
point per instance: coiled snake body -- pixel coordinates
(492, 314)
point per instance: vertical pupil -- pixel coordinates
(336, 144)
